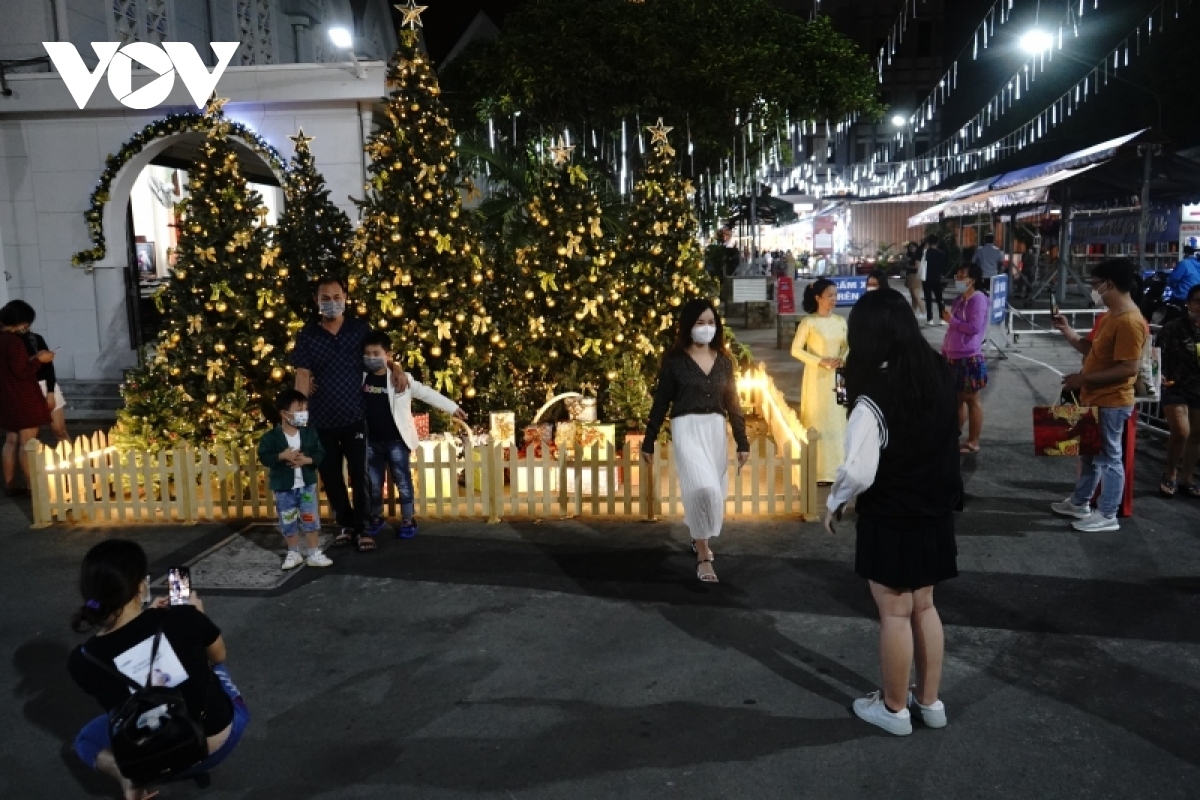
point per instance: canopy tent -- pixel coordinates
(1031, 192)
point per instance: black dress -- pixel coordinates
(905, 531)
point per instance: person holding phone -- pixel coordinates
(23, 406)
(820, 344)
(697, 383)
(190, 658)
(963, 349)
(902, 465)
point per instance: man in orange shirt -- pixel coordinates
(1110, 368)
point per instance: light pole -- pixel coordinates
(343, 40)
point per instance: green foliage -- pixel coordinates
(710, 64)
(629, 397)
(222, 353)
(417, 268)
(313, 235)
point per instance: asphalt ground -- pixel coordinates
(576, 659)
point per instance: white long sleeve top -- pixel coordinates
(866, 435)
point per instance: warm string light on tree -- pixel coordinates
(211, 377)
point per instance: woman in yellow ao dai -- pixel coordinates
(821, 345)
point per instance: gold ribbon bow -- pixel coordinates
(269, 256)
(548, 283)
(479, 324)
(577, 174)
(574, 245)
(387, 301)
(590, 344)
(444, 380)
(195, 323)
(209, 253)
(215, 367)
(443, 243)
(661, 228)
(443, 329)
(219, 288)
(426, 173)
(595, 231)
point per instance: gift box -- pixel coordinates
(503, 428)
(537, 439)
(422, 423)
(1066, 430)
(564, 436)
(599, 435)
(588, 434)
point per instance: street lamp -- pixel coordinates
(343, 40)
(899, 120)
(1036, 42)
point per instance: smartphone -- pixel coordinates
(1054, 308)
(839, 387)
(179, 585)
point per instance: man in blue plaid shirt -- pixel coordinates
(329, 369)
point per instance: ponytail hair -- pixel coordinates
(111, 575)
(812, 292)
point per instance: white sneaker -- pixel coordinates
(934, 715)
(1096, 522)
(293, 560)
(318, 559)
(872, 709)
(1068, 509)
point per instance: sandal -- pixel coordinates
(695, 552)
(706, 577)
(345, 536)
(365, 544)
(968, 449)
(1192, 489)
(1167, 487)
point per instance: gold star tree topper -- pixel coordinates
(215, 105)
(658, 132)
(561, 153)
(412, 14)
(301, 140)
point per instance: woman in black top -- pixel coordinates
(190, 658)
(697, 382)
(902, 464)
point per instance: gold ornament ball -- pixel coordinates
(435, 351)
(415, 107)
(470, 349)
(277, 374)
(212, 398)
(591, 278)
(283, 272)
(529, 295)
(219, 347)
(460, 317)
(611, 375)
(562, 251)
(620, 337)
(608, 345)
(269, 314)
(174, 370)
(470, 391)
(222, 307)
(675, 301)
(550, 302)
(395, 220)
(428, 195)
(477, 277)
(397, 311)
(395, 237)
(453, 213)
(553, 354)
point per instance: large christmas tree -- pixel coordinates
(221, 355)
(660, 254)
(566, 311)
(314, 236)
(417, 269)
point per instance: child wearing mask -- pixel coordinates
(292, 451)
(391, 432)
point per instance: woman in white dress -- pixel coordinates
(698, 384)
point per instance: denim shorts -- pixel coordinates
(298, 511)
(94, 737)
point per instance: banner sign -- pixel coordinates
(849, 288)
(823, 228)
(999, 298)
(1123, 228)
(785, 295)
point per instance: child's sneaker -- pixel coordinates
(933, 715)
(407, 530)
(872, 709)
(318, 559)
(293, 560)
(375, 525)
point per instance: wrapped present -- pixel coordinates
(537, 439)
(595, 433)
(564, 435)
(587, 436)
(422, 423)
(582, 408)
(1066, 430)
(503, 428)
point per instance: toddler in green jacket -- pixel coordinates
(292, 451)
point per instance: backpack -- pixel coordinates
(153, 734)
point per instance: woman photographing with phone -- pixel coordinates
(902, 464)
(173, 647)
(697, 383)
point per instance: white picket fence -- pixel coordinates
(90, 481)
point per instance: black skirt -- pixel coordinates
(906, 554)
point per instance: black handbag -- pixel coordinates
(153, 734)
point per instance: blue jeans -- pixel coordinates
(298, 512)
(1108, 468)
(94, 736)
(393, 457)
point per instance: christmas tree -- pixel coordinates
(314, 236)
(660, 252)
(417, 269)
(566, 310)
(221, 356)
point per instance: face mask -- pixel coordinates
(872, 288)
(961, 285)
(332, 309)
(703, 334)
(1097, 298)
(299, 418)
(373, 363)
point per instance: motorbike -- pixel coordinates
(1157, 305)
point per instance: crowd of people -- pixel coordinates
(892, 409)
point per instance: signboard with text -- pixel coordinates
(823, 228)
(849, 288)
(785, 295)
(999, 298)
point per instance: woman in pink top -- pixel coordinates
(963, 348)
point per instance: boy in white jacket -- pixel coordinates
(391, 432)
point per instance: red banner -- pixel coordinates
(784, 295)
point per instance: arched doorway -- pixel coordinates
(150, 224)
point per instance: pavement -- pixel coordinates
(578, 659)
